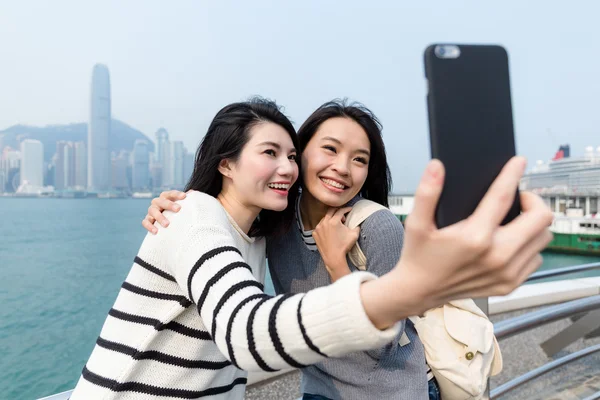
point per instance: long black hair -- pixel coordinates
(227, 135)
(379, 178)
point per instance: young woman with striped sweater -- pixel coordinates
(192, 316)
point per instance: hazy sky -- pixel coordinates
(174, 64)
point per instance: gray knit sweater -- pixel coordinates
(393, 372)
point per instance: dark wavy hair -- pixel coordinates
(379, 178)
(225, 139)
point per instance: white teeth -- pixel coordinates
(283, 186)
(333, 183)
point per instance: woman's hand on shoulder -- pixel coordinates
(166, 201)
(334, 240)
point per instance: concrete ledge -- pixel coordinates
(540, 294)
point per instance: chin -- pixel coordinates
(332, 200)
(275, 206)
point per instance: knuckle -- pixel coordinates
(510, 277)
(476, 241)
(549, 237)
(505, 197)
(539, 260)
(497, 260)
(548, 217)
(505, 289)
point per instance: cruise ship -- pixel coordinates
(567, 182)
(571, 187)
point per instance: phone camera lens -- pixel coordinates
(447, 51)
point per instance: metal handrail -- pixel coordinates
(563, 271)
(513, 326)
(595, 396)
(59, 396)
(529, 376)
(516, 325)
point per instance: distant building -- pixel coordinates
(59, 166)
(49, 173)
(10, 164)
(69, 165)
(120, 163)
(167, 165)
(156, 174)
(188, 166)
(80, 165)
(32, 163)
(162, 138)
(99, 161)
(140, 179)
(177, 156)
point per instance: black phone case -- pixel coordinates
(470, 126)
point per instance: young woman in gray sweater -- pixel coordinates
(343, 160)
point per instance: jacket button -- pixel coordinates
(469, 355)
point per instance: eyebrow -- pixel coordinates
(363, 151)
(276, 145)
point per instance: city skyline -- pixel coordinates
(89, 167)
(176, 65)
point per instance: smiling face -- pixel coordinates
(265, 170)
(336, 161)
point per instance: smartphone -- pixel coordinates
(470, 124)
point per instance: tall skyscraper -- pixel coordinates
(162, 137)
(140, 179)
(1, 144)
(32, 163)
(177, 154)
(99, 162)
(80, 165)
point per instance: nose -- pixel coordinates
(286, 167)
(341, 166)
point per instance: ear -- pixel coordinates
(225, 168)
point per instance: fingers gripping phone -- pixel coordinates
(470, 124)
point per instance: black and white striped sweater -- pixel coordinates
(191, 317)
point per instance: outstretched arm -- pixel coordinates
(253, 330)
